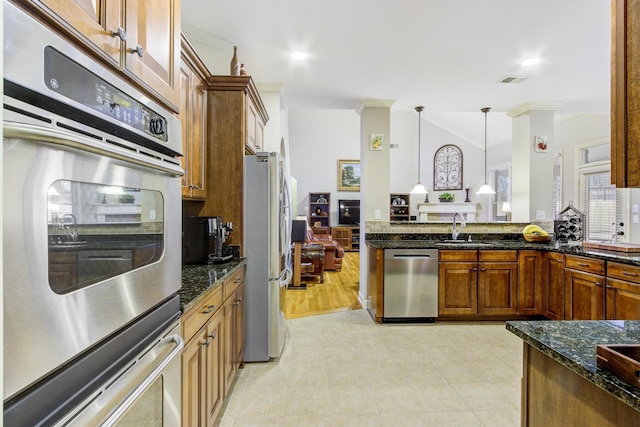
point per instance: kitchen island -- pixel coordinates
(561, 383)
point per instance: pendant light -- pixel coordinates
(419, 188)
(485, 188)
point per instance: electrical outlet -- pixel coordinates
(377, 214)
(635, 219)
(152, 214)
(634, 208)
(540, 215)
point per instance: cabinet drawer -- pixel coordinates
(456, 255)
(623, 272)
(200, 314)
(499, 256)
(232, 283)
(588, 265)
(63, 257)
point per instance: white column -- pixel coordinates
(532, 178)
(375, 118)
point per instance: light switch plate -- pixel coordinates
(540, 215)
(634, 208)
(377, 214)
(635, 219)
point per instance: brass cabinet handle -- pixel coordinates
(209, 309)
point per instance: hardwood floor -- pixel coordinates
(339, 292)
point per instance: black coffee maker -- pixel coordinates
(203, 239)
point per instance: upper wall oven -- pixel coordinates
(91, 204)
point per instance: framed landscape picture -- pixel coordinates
(348, 175)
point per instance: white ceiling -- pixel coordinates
(444, 54)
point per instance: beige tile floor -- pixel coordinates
(342, 370)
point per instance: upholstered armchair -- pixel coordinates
(333, 251)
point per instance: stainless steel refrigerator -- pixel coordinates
(267, 243)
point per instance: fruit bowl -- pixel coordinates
(533, 238)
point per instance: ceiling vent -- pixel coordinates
(512, 79)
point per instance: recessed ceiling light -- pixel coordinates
(299, 55)
(530, 61)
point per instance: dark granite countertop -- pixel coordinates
(573, 345)
(198, 279)
(494, 241)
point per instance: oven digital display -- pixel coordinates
(64, 76)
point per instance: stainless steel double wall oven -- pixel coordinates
(91, 237)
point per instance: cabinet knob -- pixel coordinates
(206, 343)
(598, 284)
(139, 50)
(120, 33)
(212, 336)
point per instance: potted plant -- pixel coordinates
(446, 197)
(127, 198)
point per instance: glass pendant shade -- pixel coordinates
(419, 188)
(485, 188)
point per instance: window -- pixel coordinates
(598, 198)
(502, 184)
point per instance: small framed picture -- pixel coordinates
(376, 142)
(540, 143)
(348, 175)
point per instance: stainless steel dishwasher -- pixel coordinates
(410, 285)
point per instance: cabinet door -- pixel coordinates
(584, 296)
(153, 45)
(252, 134)
(497, 288)
(623, 300)
(457, 288)
(553, 286)
(214, 371)
(229, 352)
(89, 22)
(238, 323)
(193, 381)
(194, 121)
(530, 282)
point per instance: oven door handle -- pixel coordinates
(148, 380)
(72, 140)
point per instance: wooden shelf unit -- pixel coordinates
(320, 212)
(348, 237)
(399, 207)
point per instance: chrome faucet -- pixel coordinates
(454, 232)
(73, 233)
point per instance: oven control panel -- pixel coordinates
(66, 77)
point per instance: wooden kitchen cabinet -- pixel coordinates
(150, 27)
(202, 362)
(399, 207)
(530, 282)
(234, 309)
(228, 101)
(193, 116)
(347, 237)
(213, 331)
(63, 271)
(497, 282)
(480, 282)
(622, 292)
(625, 93)
(457, 282)
(553, 286)
(584, 288)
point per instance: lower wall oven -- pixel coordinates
(91, 238)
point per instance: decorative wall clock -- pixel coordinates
(447, 168)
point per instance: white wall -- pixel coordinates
(318, 138)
